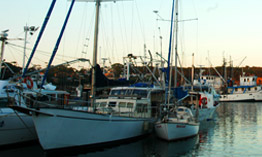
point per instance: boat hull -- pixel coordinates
(174, 131)
(61, 128)
(16, 128)
(243, 97)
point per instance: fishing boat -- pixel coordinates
(204, 96)
(208, 101)
(247, 90)
(176, 122)
(67, 126)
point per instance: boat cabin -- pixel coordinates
(131, 101)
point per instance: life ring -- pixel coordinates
(203, 100)
(29, 82)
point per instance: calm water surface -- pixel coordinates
(236, 131)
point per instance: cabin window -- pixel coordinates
(142, 93)
(236, 89)
(115, 92)
(102, 104)
(244, 80)
(248, 89)
(130, 105)
(112, 104)
(242, 89)
(122, 104)
(118, 92)
(129, 92)
(255, 88)
(122, 92)
(248, 80)
(253, 79)
(141, 108)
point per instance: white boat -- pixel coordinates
(248, 90)
(15, 127)
(63, 126)
(179, 123)
(115, 118)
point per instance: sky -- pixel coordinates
(224, 28)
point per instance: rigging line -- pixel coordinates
(82, 26)
(12, 53)
(22, 54)
(36, 58)
(39, 51)
(103, 38)
(39, 35)
(112, 32)
(141, 28)
(58, 42)
(64, 39)
(125, 29)
(121, 30)
(88, 32)
(132, 26)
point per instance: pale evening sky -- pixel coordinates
(230, 28)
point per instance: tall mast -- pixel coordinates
(93, 87)
(176, 31)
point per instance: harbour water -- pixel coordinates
(235, 131)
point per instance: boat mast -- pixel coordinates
(93, 87)
(176, 31)
(167, 91)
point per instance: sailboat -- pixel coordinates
(60, 127)
(176, 122)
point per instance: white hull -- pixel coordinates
(257, 96)
(75, 128)
(174, 131)
(14, 129)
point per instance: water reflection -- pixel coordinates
(237, 131)
(149, 146)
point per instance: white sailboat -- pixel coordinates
(178, 121)
(178, 124)
(63, 127)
